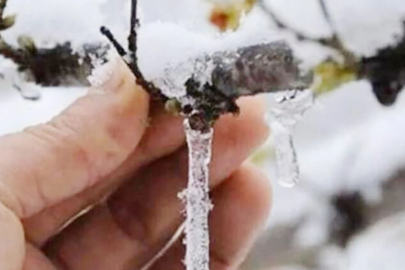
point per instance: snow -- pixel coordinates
(50, 22)
(17, 113)
(184, 47)
(346, 142)
(380, 247)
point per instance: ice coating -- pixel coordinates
(266, 67)
(196, 197)
(287, 111)
(172, 83)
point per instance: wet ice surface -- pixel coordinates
(287, 110)
(196, 197)
(172, 83)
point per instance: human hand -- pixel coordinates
(120, 160)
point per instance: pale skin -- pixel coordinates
(122, 153)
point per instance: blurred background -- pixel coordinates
(348, 211)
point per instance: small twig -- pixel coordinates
(3, 4)
(133, 36)
(327, 16)
(107, 33)
(130, 57)
(333, 42)
(280, 24)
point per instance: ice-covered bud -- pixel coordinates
(255, 69)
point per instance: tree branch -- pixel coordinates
(130, 57)
(327, 16)
(333, 42)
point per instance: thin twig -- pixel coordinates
(328, 17)
(280, 24)
(130, 57)
(133, 36)
(333, 42)
(3, 4)
(107, 33)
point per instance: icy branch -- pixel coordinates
(197, 200)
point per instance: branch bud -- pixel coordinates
(27, 44)
(7, 22)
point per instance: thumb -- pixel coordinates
(49, 163)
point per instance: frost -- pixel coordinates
(197, 200)
(288, 109)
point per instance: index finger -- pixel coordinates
(49, 163)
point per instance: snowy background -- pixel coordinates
(348, 145)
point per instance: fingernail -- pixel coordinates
(106, 78)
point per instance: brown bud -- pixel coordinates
(3, 45)
(173, 106)
(7, 22)
(27, 44)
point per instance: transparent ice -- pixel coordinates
(196, 197)
(286, 111)
(200, 67)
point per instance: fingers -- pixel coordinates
(241, 206)
(12, 246)
(145, 212)
(48, 163)
(36, 260)
(163, 136)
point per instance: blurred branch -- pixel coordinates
(130, 57)
(327, 16)
(3, 4)
(333, 42)
(385, 70)
(5, 23)
(56, 66)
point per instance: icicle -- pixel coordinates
(197, 200)
(283, 117)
